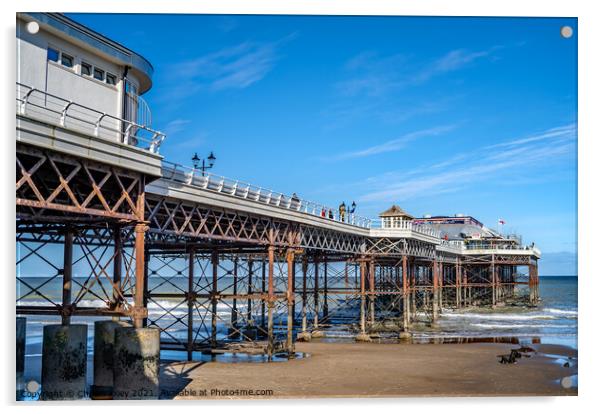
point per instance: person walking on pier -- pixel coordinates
(295, 201)
(342, 209)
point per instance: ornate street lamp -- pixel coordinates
(204, 167)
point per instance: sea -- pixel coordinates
(553, 321)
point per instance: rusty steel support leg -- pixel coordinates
(304, 296)
(465, 283)
(536, 283)
(263, 291)
(372, 294)
(363, 296)
(458, 276)
(435, 277)
(117, 268)
(325, 307)
(290, 300)
(441, 284)
(140, 312)
(493, 283)
(147, 257)
(67, 276)
(234, 331)
(214, 294)
(413, 289)
(271, 249)
(190, 300)
(406, 294)
(249, 293)
(362, 336)
(316, 294)
(514, 277)
(533, 285)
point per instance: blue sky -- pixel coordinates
(439, 115)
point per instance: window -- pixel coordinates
(66, 60)
(53, 54)
(111, 79)
(99, 74)
(86, 69)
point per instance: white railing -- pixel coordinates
(241, 189)
(497, 246)
(408, 225)
(453, 244)
(68, 114)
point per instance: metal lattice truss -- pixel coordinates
(204, 301)
(509, 259)
(179, 219)
(100, 276)
(332, 241)
(51, 184)
(327, 294)
(399, 247)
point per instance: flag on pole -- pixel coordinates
(501, 221)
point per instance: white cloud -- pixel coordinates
(453, 60)
(376, 76)
(394, 144)
(476, 166)
(234, 67)
(176, 125)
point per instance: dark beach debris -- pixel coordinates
(511, 357)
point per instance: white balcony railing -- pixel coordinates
(457, 245)
(243, 190)
(50, 108)
(407, 225)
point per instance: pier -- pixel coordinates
(226, 266)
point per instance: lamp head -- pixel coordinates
(195, 160)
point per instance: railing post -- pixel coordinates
(64, 113)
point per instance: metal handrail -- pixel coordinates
(408, 225)
(247, 191)
(61, 110)
(490, 246)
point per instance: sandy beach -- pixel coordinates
(381, 370)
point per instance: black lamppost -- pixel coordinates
(210, 161)
(351, 211)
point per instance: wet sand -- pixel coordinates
(381, 370)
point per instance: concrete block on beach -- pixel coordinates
(136, 364)
(104, 352)
(64, 357)
(20, 351)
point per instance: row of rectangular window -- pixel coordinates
(86, 68)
